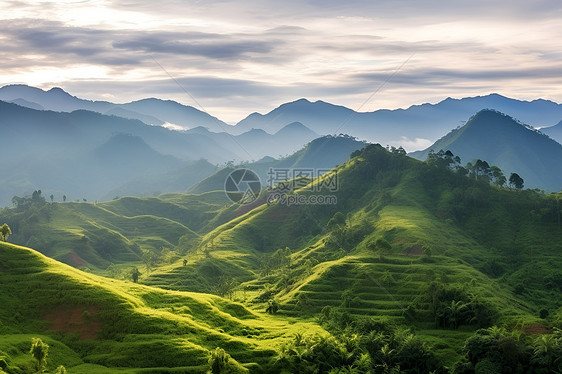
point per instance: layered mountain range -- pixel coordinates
(97, 150)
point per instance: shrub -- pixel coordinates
(39, 351)
(220, 362)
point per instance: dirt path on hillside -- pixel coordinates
(80, 320)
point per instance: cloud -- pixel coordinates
(411, 145)
(440, 77)
(242, 56)
(215, 50)
(171, 126)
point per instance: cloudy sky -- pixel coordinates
(236, 57)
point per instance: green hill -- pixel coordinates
(508, 144)
(451, 239)
(322, 153)
(96, 235)
(99, 325)
(407, 244)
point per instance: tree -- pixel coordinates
(398, 151)
(60, 370)
(498, 176)
(39, 351)
(52, 197)
(135, 273)
(515, 181)
(64, 198)
(225, 286)
(5, 231)
(272, 307)
(482, 169)
(36, 197)
(455, 311)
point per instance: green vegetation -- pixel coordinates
(39, 352)
(95, 324)
(122, 231)
(5, 231)
(419, 267)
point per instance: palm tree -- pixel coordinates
(545, 350)
(455, 309)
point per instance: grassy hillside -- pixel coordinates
(408, 245)
(451, 239)
(96, 235)
(100, 325)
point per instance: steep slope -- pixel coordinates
(449, 239)
(94, 324)
(555, 132)
(319, 155)
(132, 156)
(412, 127)
(53, 152)
(176, 180)
(501, 141)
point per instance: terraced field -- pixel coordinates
(98, 324)
(406, 245)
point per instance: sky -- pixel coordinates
(232, 58)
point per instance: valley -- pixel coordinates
(410, 248)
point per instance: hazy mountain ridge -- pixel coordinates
(502, 141)
(555, 132)
(414, 127)
(408, 127)
(152, 110)
(53, 150)
(63, 153)
(320, 155)
(56, 152)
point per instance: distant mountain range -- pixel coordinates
(318, 156)
(88, 155)
(502, 141)
(413, 128)
(151, 111)
(98, 150)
